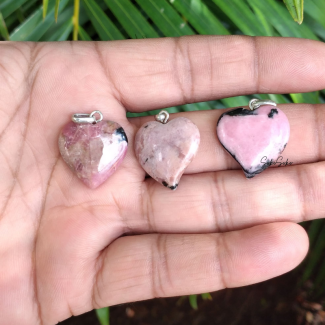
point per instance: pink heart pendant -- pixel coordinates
(165, 150)
(254, 138)
(93, 151)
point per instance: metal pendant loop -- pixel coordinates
(162, 117)
(87, 118)
(256, 103)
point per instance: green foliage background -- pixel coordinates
(60, 20)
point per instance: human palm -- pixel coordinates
(66, 249)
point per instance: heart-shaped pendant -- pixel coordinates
(165, 150)
(92, 148)
(255, 138)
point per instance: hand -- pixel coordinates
(62, 252)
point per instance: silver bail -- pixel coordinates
(256, 103)
(162, 117)
(81, 118)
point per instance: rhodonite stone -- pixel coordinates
(165, 150)
(254, 138)
(93, 151)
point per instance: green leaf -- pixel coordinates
(29, 5)
(241, 15)
(203, 106)
(3, 28)
(316, 254)
(19, 13)
(28, 26)
(296, 9)
(315, 26)
(238, 101)
(315, 16)
(165, 17)
(280, 19)
(193, 301)
(45, 6)
(314, 230)
(206, 296)
(311, 98)
(56, 10)
(279, 99)
(9, 6)
(62, 33)
(103, 25)
(316, 8)
(83, 34)
(200, 17)
(263, 20)
(56, 31)
(11, 21)
(62, 29)
(103, 315)
(313, 234)
(131, 19)
(34, 27)
(319, 283)
(76, 19)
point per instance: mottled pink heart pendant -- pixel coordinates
(92, 148)
(256, 137)
(165, 150)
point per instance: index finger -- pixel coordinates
(156, 73)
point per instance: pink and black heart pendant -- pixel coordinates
(255, 138)
(165, 150)
(93, 149)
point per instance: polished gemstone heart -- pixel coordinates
(254, 138)
(93, 151)
(165, 150)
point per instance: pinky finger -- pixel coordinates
(147, 266)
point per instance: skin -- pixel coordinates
(66, 249)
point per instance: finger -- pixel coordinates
(306, 143)
(155, 73)
(148, 266)
(225, 201)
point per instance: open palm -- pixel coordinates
(62, 249)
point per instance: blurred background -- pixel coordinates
(294, 298)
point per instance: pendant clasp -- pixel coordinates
(256, 103)
(162, 117)
(87, 118)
